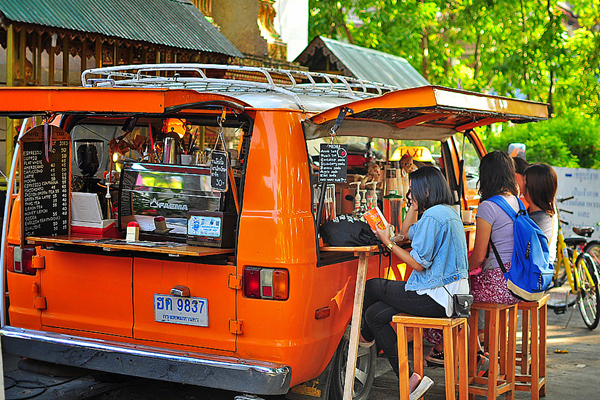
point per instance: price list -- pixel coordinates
(333, 166)
(45, 187)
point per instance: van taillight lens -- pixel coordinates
(19, 260)
(280, 284)
(266, 283)
(252, 282)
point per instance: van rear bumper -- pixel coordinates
(221, 372)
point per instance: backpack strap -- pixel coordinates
(500, 263)
(503, 204)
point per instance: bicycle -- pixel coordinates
(582, 276)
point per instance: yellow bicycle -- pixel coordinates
(576, 267)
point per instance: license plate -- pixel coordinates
(181, 310)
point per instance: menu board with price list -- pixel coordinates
(45, 181)
(333, 165)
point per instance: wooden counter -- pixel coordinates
(109, 244)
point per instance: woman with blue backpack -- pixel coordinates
(496, 177)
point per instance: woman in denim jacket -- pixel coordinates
(440, 268)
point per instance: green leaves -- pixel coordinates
(568, 140)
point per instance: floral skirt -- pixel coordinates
(487, 287)
(490, 287)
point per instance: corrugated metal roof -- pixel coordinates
(173, 23)
(362, 63)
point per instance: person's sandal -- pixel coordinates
(424, 385)
(362, 342)
(483, 364)
(435, 357)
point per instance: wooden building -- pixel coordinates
(51, 42)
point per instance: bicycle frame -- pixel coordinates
(563, 260)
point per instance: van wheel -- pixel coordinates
(363, 378)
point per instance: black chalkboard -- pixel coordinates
(45, 183)
(333, 163)
(218, 170)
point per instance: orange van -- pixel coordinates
(160, 220)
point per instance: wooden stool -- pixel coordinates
(455, 362)
(533, 368)
(502, 348)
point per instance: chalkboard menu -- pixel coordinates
(218, 170)
(45, 182)
(333, 163)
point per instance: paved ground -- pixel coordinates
(575, 374)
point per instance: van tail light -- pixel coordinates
(266, 283)
(19, 260)
(280, 284)
(252, 282)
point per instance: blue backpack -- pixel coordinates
(530, 271)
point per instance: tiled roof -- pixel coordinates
(361, 63)
(173, 23)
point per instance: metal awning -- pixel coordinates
(431, 112)
(172, 23)
(323, 54)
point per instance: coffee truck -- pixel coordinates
(162, 220)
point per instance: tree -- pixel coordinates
(514, 48)
(510, 43)
(570, 141)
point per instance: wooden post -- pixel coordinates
(115, 54)
(38, 62)
(359, 294)
(83, 65)
(22, 57)
(65, 50)
(98, 52)
(51, 59)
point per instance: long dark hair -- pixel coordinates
(497, 175)
(429, 188)
(541, 184)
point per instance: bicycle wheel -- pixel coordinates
(593, 249)
(589, 303)
(561, 296)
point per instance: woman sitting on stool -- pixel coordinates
(440, 269)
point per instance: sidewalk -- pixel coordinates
(575, 374)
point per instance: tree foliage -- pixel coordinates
(517, 48)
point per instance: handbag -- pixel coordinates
(347, 231)
(461, 304)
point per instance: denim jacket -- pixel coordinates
(439, 245)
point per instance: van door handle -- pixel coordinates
(181, 291)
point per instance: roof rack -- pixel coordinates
(233, 78)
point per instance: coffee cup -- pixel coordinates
(467, 216)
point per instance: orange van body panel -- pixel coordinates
(102, 100)
(279, 232)
(21, 311)
(95, 296)
(435, 96)
(206, 281)
(302, 337)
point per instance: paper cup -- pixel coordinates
(186, 159)
(467, 216)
